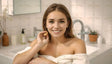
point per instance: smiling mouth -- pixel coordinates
(56, 31)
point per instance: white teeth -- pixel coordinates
(56, 31)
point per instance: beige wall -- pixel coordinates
(0, 7)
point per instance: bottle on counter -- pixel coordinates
(14, 39)
(23, 37)
(99, 41)
(5, 39)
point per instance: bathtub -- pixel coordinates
(7, 53)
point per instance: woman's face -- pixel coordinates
(56, 24)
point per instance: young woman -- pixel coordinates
(56, 44)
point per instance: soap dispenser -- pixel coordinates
(23, 37)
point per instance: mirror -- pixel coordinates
(23, 6)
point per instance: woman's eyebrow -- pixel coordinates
(62, 19)
(50, 19)
(58, 19)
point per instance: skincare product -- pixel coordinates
(14, 39)
(99, 41)
(23, 37)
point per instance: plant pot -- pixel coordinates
(93, 38)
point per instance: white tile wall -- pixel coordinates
(0, 8)
(0, 14)
(94, 13)
(97, 14)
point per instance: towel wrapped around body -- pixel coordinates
(63, 59)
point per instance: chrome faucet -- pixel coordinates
(36, 31)
(82, 33)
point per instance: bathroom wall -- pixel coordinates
(97, 14)
(0, 8)
(0, 11)
(28, 21)
(94, 13)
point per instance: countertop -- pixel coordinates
(8, 51)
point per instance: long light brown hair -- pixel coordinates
(68, 33)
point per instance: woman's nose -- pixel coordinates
(56, 25)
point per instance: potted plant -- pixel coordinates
(93, 35)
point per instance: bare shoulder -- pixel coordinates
(77, 41)
(78, 45)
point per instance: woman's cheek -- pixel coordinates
(49, 26)
(64, 25)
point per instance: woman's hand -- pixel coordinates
(41, 60)
(42, 38)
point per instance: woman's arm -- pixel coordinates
(24, 57)
(36, 45)
(40, 60)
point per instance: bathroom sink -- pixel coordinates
(91, 49)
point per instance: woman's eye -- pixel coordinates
(51, 21)
(62, 21)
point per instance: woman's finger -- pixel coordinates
(47, 37)
(41, 34)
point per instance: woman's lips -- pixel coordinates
(56, 31)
